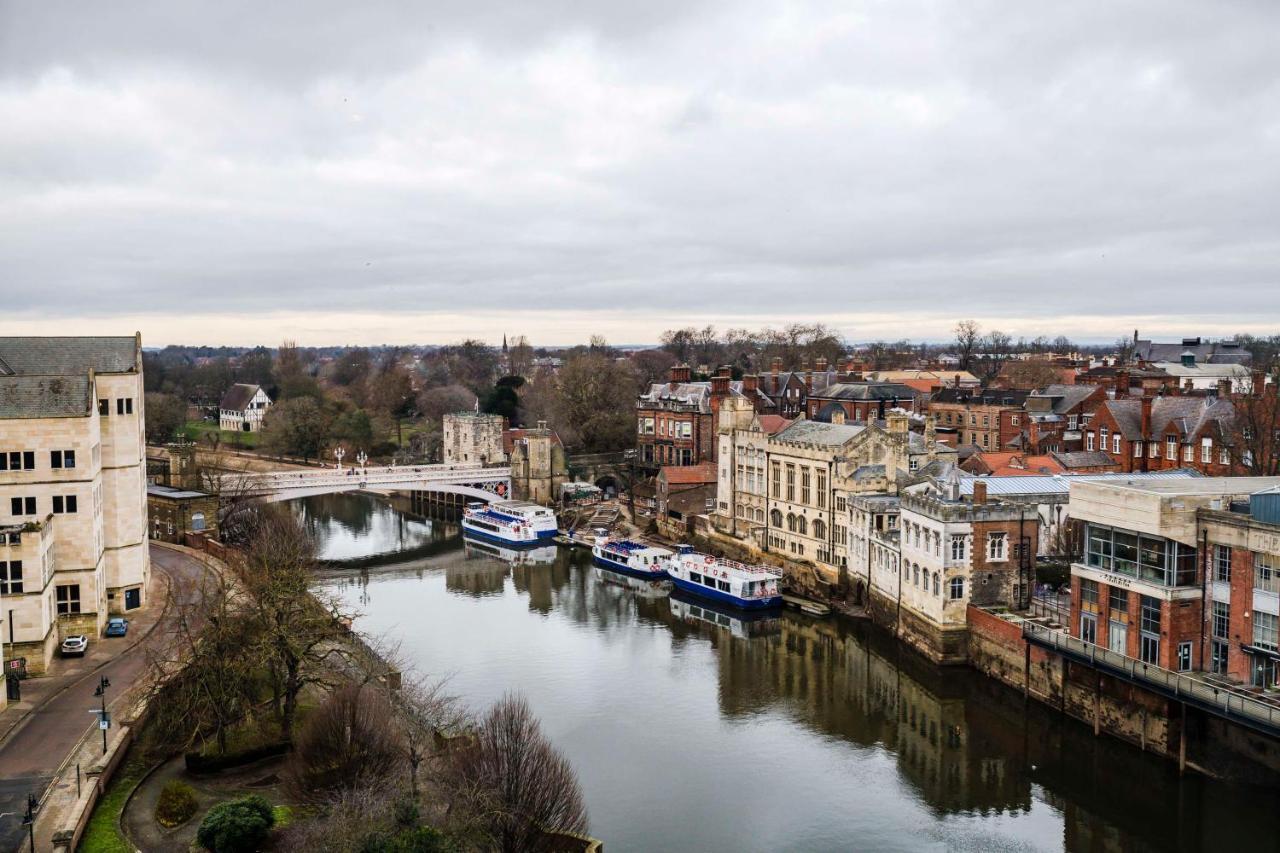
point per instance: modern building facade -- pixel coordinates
(72, 487)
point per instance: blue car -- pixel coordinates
(117, 627)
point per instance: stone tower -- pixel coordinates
(473, 438)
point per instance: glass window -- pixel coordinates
(11, 577)
(1218, 657)
(1221, 619)
(68, 598)
(1118, 600)
(1151, 614)
(1126, 552)
(1118, 637)
(1264, 630)
(996, 545)
(956, 588)
(1089, 627)
(1265, 573)
(1088, 595)
(1221, 563)
(1099, 547)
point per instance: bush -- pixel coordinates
(422, 839)
(238, 826)
(177, 804)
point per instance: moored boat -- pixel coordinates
(636, 559)
(725, 581)
(510, 522)
(524, 556)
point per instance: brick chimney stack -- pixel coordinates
(720, 383)
(822, 365)
(979, 493)
(1224, 388)
(750, 385)
(680, 373)
(808, 378)
(1259, 382)
(776, 366)
(1146, 417)
(1122, 384)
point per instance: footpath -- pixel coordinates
(50, 744)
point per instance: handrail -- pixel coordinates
(277, 480)
(1180, 685)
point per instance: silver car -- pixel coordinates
(75, 646)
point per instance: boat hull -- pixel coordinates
(543, 537)
(724, 598)
(624, 569)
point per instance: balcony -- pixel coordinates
(1251, 710)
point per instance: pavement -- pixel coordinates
(40, 732)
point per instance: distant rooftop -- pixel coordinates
(68, 356)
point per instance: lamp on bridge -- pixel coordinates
(338, 453)
(362, 458)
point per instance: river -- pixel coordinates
(693, 730)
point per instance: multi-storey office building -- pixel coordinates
(73, 485)
(1177, 573)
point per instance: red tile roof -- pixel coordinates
(690, 474)
(774, 424)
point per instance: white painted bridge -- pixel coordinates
(486, 483)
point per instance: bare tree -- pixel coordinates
(968, 334)
(348, 742)
(1253, 435)
(512, 785)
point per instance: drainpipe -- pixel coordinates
(1205, 612)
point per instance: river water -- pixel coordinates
(694, 730)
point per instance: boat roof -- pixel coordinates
(628, 546)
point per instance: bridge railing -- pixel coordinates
(399, 475)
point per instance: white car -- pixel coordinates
(75, 646)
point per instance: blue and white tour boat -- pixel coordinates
(509, 522)
(636, 559)
(725, 581)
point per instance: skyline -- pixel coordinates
(427, 172)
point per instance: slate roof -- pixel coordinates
(982, 396)
(815, 432)
(238, 396)
(1085, 459)
(68, 356)
(865, 391)
(1187, 415)
(45, 396)
(1063, 398)
(686, 393)
(1222, 352)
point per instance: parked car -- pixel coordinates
(75, 646)
(117, 626)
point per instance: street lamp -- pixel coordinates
(338, 454)
(103, 720)
(362, 458)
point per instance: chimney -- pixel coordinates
(776, 366)
(1188, 386)
(822, 365)
(680, 373)
(1146, 417)
(1122, 384)
(1258, 383)
(1224, 388)
(720, 383)
(931, 434)
(979, 493)
(957, 383)
(808, 378)
(898, 424)
(750, 384)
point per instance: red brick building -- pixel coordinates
(676, 420)
(861, 401)
(1158, 433)
(989, 419)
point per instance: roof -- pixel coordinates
(1085, 459)
(773, 424)
(1187, 415)
(982, 396)
(686, 475)
(1061, 483)
(68, 356)
(175, 494)
(1064, 397)
(511, 436)
(45, 396)
(686, 393)
(816, 432)
(238, 396)
(1221, 352)
(937, 377)
(1204, 370)
(865, 391)
(1006, 464)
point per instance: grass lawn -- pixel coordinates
(102, 834)
(230, 440)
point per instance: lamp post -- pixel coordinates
(103, 721)
(362, 458)
(338, 454)
(29, 819)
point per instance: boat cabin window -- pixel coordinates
(724, 586)
(711, 582)
(694, 577)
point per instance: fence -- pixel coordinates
(1226, 702)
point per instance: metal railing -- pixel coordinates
(1051, 608)
(1233, 704)
(277, 481)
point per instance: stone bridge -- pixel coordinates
(485, 483)
(602, 469)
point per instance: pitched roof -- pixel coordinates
(773, 424)
(865, 391)
(685, 475)
(1187, 415)
(68, 356)
(982, 396)
(238, 397)
(45, 396)
(511, 436)
(1085, 459)
(815, 432)
(1221, 352)
(1064, 398)
(1006, 464)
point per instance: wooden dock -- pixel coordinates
(806, 605)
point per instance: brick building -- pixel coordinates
(861, 401)
(676, 420)
(1179, 573)
(1055, 414)
(989, 419)
(1158, 433)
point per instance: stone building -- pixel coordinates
(538, 464)
(73, 485)
(473, 438)
(741, 499)
(175, 512)
(952, 551)
(243, 408)
(676, 420)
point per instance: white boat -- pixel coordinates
(739, 622)
(510, 522)
(536, 556)
(636, 559)
(642, 588)
(725, 581)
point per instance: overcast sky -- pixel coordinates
(352, 172)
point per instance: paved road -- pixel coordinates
(31, 755)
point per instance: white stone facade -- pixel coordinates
(473, 438)
(72, 420)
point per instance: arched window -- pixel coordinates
(915, 570)
(791, 522)
(775, 518)
(956, 588)
(802, 526)
(936, 584)
(197, 521)
(819, 529)
(742, 511)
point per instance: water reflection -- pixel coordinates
(355, 527)
(702, 730)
